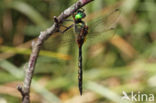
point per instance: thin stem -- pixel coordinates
(25, 90)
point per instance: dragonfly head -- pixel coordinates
(80, 15)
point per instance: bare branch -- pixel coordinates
(25, 90)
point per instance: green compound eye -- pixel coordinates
(78, 16)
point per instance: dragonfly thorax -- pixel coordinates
(78, 27)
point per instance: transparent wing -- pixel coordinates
(59, 40)
(104, 23)
(97, 27)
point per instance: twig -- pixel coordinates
(44, 35)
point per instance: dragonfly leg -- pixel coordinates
(67, 28)
(68, 20)
(63, 26)
(82, 9)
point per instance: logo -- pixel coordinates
(136, 97)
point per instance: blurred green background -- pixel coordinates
(120, 60)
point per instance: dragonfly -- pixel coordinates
(81, 31)
(81, 34)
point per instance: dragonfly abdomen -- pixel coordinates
(80, 71)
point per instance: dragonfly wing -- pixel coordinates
(58, 40)
(104, 24)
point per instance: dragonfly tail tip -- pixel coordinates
(81, 93)
(80, 90)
